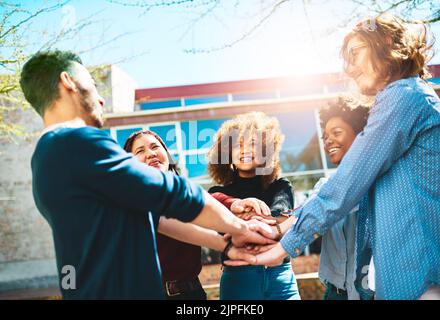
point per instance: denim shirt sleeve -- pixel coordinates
(390, 131)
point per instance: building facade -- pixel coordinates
(187, 118)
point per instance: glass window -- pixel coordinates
(196, 165)
(203, 100)
(254, 96)
(123, 134)
(151, 105)
(175, 157)
(300, 150)
(199, 134)
(168, 135)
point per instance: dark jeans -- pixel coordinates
(333, 293)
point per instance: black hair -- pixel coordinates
(128, 146)
(354, 114)
(41, 74)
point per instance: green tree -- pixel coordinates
(19, 37)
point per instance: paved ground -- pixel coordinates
(28, 278)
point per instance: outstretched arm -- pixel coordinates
(193, 234)
(389, 133)
(215, 216)
(113, 174)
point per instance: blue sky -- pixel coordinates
(154, 49)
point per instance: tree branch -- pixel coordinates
(245, 35)
(32, 16)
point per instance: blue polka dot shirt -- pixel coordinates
(394, 167)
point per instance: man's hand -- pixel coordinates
(246, 256)
(246, 208)
(242, 255)
(257, 232)
(272, 257)
(269, 221)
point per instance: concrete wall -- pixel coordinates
(123, 91)
(24, 233)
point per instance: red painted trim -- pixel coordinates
(188, 115)
(435, 70)
(246, 86)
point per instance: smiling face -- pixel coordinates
(245, 156)
(151, 152)
(338, 138)
(359, 67)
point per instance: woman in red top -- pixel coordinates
(178, 244)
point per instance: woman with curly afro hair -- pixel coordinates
(244, 161)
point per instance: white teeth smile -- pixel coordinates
(333, 150)
(246, 159)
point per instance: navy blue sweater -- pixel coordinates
(100, 201)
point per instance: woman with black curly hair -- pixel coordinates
(341, 122)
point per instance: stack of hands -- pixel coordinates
(258, 245)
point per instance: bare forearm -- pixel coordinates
(215, 216)
(285, 224)
(280, 219)
(190, 233)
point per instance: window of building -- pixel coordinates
(151, 105)
(196, 165)
(168, 134)
(300, 150)
(199, 134)
(123, 134)
(204, 100)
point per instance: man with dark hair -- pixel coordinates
(40, 83)
(98, 199)
(393, 166)
(41, 88)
